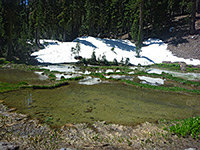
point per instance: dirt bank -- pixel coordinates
(180, 42)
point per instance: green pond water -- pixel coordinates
(110, 102)
(14, 76)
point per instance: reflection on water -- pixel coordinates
(113, 103)
(28, 99)
(14, 76)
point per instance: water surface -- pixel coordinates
(14, 76)
(113, 103)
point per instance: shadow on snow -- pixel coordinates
(118, 44)
(85, 43)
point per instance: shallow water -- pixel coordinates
(113, 102)
(14, 76)
(187, 75)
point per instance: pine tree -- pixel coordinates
(37, 19)
(193, 17)
(2, 31)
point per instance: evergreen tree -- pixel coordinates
(37, 19)
(2, 31)
(193, 17)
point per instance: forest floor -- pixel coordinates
(180, 42)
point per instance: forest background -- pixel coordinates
(26, 21)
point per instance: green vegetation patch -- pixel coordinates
(163, 88)
(169, 77)
(49, 86)
(5, 87)
(187, 127)
(172, 89)
(4, 61)
(176, 67)
(124, 68)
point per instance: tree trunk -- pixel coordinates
(10, 26)
(193, 18)
(140, 38)
(37, 42)
(198, 6)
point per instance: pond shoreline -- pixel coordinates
(21, 131)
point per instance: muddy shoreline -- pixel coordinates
(19, 131)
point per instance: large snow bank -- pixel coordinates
(154, 51)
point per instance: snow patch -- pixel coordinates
(154, 51)
(187, 76)
(90, 81)
(151, 81)
(123, 77)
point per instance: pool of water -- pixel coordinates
(14, 76)
(112, 102)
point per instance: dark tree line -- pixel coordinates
(23, 21)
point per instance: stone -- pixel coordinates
(190, 149)
(166, 62)
(182, 66)
(8, 146)
(12, 109)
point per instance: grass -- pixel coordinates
(176, 67)
(5, 87)
(48, 86)
(169, 77)
(124, 69)
(162, 88)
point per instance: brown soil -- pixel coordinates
(180, 42)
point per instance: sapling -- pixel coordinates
(75, 51)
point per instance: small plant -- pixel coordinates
(4, 61)
(115, 62)
(93, 57)
(122, 61)
(127, 61)
(52, 76)
(75, 51)
(105, 60)
(186, 127)
(138, 50)
(48, 119)
(113, 50)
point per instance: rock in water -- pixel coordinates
(182, 66)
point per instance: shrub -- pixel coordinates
(77, 49)
(93, 57)
(186, 127)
